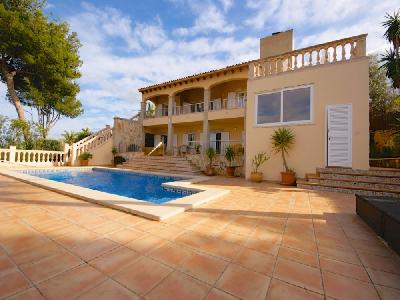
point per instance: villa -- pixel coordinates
(321, 92)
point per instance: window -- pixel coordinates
(285, 106)
(191, 139)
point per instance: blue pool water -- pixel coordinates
(129, 184)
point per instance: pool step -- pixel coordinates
(164, 164)
(374, 182)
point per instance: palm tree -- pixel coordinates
(69, 137)
(282, 141)
(391, 60)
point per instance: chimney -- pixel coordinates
(277, 43)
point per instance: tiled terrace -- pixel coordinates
(259, 242)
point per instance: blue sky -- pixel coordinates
(130, 44)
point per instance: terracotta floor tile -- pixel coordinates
(387, 293)
(299, 243)
(345, 269)
(179, 286)
(231, 237)
(29, 294)
(115, 260)
(345, 255)
(70, 284)
(51, 266)
(92, 249)
(216, 294)
(341, 287)
(125, 235)
(269, 246)
(244, 283)
(307, 258)
(204, 267)
(220, 248)
(299, 274)
(75, 238)
(380, 263)
(256, 261)
(108, 290)
(12, 283)
(143, 275)
(43, 250)
(384, 278)
(169, 232)
(279, 290)
(6, 265)
(170, 254)
(107, 227)
(146, 243)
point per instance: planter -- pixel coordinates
(256, 176)
(230, 171)
(288, 178)
(209, 171)
(84, 163)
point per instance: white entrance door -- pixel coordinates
(339, 125)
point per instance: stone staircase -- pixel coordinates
(373, 182)
(164, 164)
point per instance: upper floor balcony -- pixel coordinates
(227, 100)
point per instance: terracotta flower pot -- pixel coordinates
(256, 176)
(209, 171)
(84, 163)
(288, 178)
(230, 171)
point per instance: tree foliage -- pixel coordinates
(391, 60)
(39, 62)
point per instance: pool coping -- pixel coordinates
(153, 211)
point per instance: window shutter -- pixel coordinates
(185, 139)
(231, 99)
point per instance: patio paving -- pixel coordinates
(261, 241)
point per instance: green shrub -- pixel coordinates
(119, 160)
(85, 156)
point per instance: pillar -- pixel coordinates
(206, 133)
(170, 139)
(12, 153)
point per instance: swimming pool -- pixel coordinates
(139, 186)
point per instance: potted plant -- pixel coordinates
(210, 153)
(282, 141)
(114, 151)
(84, 158)
(257, 161)
(230, 157)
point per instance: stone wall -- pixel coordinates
(128, 134)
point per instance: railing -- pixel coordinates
(32, 157)
(87, 144)
(157, 113)
(189, 108)
(159, 145)
(217, 104)
(327, 53)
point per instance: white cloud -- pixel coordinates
(209, 18)
(327, 20)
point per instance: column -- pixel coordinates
(141, 118)
(205, 140)
(12, 153)
(170, 139)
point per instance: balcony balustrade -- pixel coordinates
(327, 53)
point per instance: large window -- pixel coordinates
(284, 106)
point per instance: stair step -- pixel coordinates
(354, 182)
(347, 189)
(357, 172)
